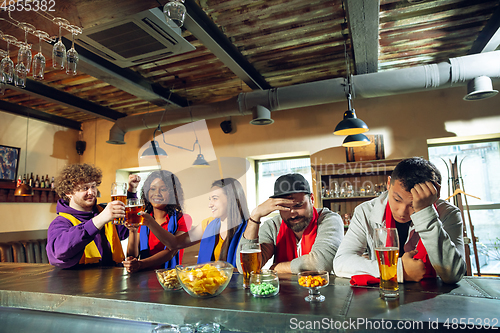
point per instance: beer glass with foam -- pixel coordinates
(134, 206)
(387, 250)
(251, 261)
(119, 192)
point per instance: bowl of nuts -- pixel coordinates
(168, 279)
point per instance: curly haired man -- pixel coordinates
(81, 233)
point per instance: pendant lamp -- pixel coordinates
(24, 190)
(154, 150)
(350, 125)
(356, 140)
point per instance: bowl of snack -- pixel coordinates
(205, 280)
(314, 280)
(168, 279)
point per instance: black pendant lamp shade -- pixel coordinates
(356, 140)
(23, 190)
(200, 161)
(350, 125)
(154, 150)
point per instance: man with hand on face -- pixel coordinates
(83, 232)
(301, 238)
(429, 229)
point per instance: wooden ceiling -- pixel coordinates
(265, 44)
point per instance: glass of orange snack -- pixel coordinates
(313, 281)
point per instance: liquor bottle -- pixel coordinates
(52, 183)
(37, 182)
(19, 181)
(24, 179)
(42, 182)
(31, 181)
(47, 183)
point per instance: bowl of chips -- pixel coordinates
(168, 279)
(205, 280)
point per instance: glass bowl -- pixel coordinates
(205, 280)
(264, 284)
(313, 281)
(168, 279)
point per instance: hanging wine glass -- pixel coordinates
(2, 79)
(20, 71)
(7, 65)
(39, 59)
(24, 54)
(72, 55)
(59, 50)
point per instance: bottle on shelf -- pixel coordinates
(31, 181)
(24, 179)
(47, 183)
(19, 181)
(37, 182)
(42, 182)
(52, 183)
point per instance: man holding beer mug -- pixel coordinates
(82, 232)
(301, 238)
(429, 229)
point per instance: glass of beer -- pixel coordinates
(387, 250)
(133, 207)
(119, 192)
(251, 261)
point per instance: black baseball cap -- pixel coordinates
(289, 184)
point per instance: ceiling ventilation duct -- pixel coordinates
(136, 39)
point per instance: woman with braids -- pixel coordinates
(163, 199)
(219, 235)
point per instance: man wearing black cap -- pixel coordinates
(301, 238)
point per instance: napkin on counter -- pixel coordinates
(363, 280)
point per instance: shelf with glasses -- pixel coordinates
(40, 195)
(341, 187)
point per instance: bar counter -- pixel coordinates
(92, 299)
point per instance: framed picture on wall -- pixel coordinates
(9, 163)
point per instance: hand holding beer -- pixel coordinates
(251, 261)
(119, 193)
(387, 250)
(132, 217)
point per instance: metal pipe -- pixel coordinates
(456, 72)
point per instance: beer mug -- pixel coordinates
(119, 192)
(251, 261)
(387, 249)
(133, 207)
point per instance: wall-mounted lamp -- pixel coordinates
(175, 12)
(479, 88)
(356, 140)
(261, 116)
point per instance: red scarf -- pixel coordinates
(422, 252)
(286, 244)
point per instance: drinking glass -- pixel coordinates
(264, 284)
(174, 12)
(7, 65)
(72, 55)
(39, 59)
(119, 192)
(133, 207)
(313, 281)
(251, 261)
(24, 55)
(20, 75)
(59, 50)
(387, 249)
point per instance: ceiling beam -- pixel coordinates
(363, 20)
(205, 30)
(489, 37)
(21, 110)
(40, 90)
(124, 78)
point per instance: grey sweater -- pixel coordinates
(328, 238)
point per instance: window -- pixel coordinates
(478, 162)
(269, 170)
